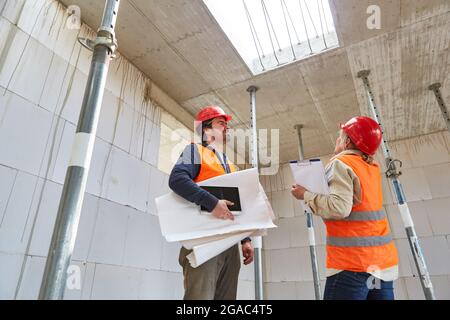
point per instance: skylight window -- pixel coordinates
(272, 33)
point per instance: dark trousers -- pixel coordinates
(216, 279)
(348, 285)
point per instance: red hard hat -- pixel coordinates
(211, 112)
(365, 133)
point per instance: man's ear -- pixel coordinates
(206, 136)
(348, 142)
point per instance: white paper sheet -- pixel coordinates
(204, 252)
(311, 175)
(191, 244)
(181, 220)
(208, 236)
(266, 199)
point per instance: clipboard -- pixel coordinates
(225, 193)
(311, 175)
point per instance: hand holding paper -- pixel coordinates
(221, 210)
(298, 192)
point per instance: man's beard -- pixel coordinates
(220, 137)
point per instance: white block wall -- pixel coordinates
(119, 249)
(426, 180)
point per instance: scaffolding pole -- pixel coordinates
(392, 174)
(257, 241)
(65, 231)
(436, 88)
(310, 225)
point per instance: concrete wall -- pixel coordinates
(426, 180)
(119, 249)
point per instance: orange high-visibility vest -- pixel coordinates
(362, 242)
(210, 164)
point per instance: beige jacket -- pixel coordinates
(345, 192)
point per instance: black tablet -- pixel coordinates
(226, 193)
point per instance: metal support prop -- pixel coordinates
(257, 241)
(66, 225)
(392, 173)
(310, 225)
(436, 88)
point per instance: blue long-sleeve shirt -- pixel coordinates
(181, 179)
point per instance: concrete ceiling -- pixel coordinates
(179, 45)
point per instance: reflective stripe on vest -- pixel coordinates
(358, 241)
(364, 216)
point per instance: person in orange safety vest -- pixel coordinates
(217, 278)
(362, 259)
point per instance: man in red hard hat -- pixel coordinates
(217, 278)
(362, 260)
